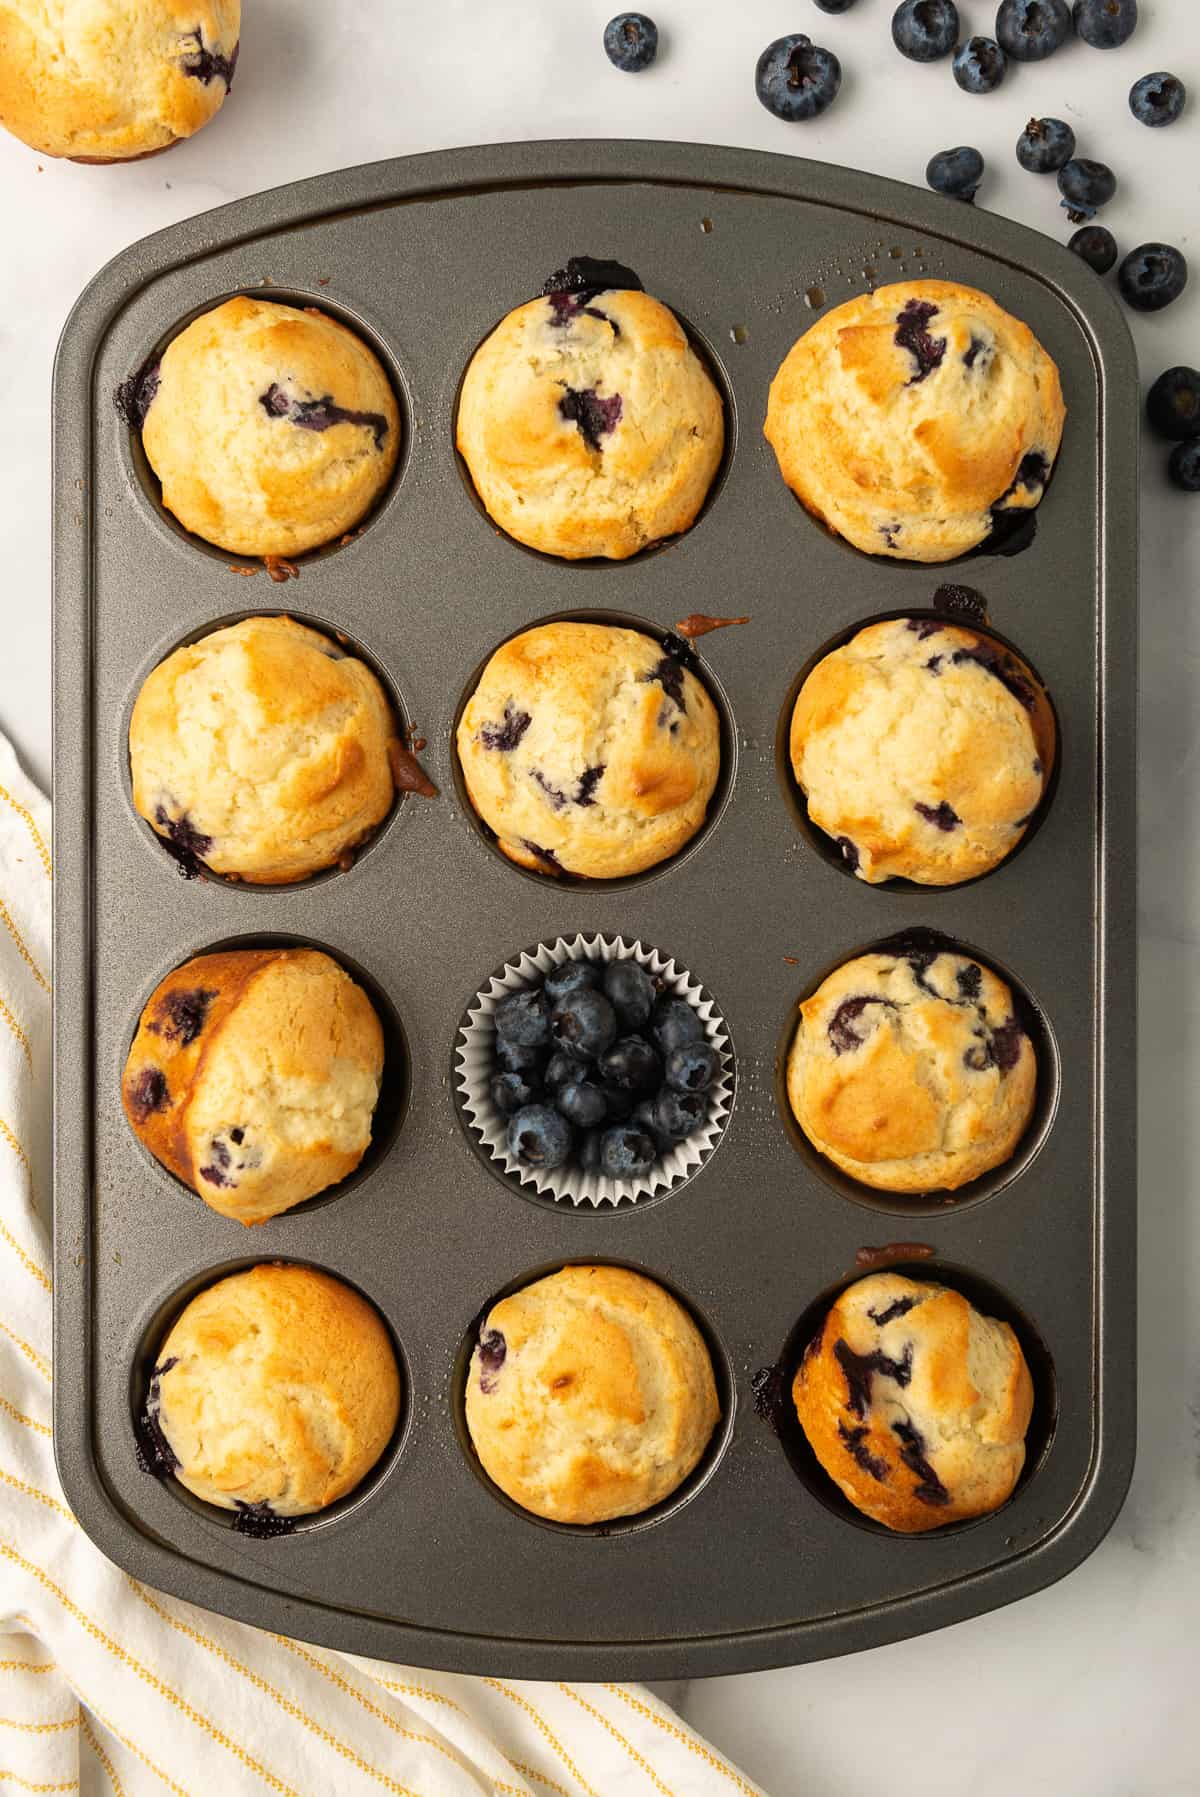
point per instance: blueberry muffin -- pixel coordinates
(272, 430)
(589, 749)
(263, 751)
(274, 1394)
(253, 1077)
(590, 1395)
(909, 418)
(114, 79)
(589, 425)
(915, 1404)
(923, 749)
(911, 1071)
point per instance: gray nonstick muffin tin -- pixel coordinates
(757, 1561)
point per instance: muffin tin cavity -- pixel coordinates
(133, 395)
(773, 1387)
(675, 647)
(153, 1454)
(969, 613)
(684, 1493)
(1034, 1023)
(185, 855)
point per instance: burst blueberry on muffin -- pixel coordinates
(911, 1070)
(253, 1077)
(263, 751)
(590, 1395)
(915, 1403)
(274, 1394)
(114, 79)
(589, 425)
(590, 749)
(272, 430)
(910, 419)
(923, 749)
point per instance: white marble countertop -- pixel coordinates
(1090, 1686)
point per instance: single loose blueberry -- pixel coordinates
(626, 1153)
(1106, 24)
(1152, 276)
(1045, 145)
(980, 65)
(1097, 245)
(1173, 404)
(631, 42)
(1085, 186)
(834, 5)
(562, 1067)
(511, 1092)
(677, 1114)
(673, 1023)
(1157, 100)
(630, 991)
(1030, 30)
(632, 1063)
(516, 1057)
(796, 79)
(924, 30)
(569, 976)
(539, 1137)
(692, 1068)
(581, 1103)
(1184, 466)
(524, 1018)
(956, 172)
(584, 1021)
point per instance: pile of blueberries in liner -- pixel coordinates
(796, 79)
(598, 1065)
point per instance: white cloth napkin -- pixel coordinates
(106, 1686)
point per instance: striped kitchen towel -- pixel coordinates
(106, 1686)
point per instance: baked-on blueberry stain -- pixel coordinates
(943, 816)
(889, 533)
(860, 1369)
(493, 1350)
(506, 735)
(319, 414)
(188, 845)
(669, 671)
(977, 348)
(855, 1442)
(934, 664)
(217, 1171)
(1002, 667)
(769, 1386)
(148, 1093)
(207, 65)
(154, 1452)
(595, 417)
(589, 780)
(134, 397)
(923, 628)
(930, 1490)
(969, 980)
(237, 1136)
(547, 857)
(841, 1035)
(913, 335)
(899, 1307)
(557, 799)
(849, 852)
(566, 307)
(260, 1521)
(920, 960)
(181, 1016)
(963, 601)
(586, 276)
(1000, 1048)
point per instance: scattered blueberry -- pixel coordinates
(1044, 146)
(1106, 24)
(569, 977)
(626, 1153)
(1157, 99)
(1030, 30)
(796, 79)
(1096, 245)
(693, 1068)
(631, 1063)
(523, 1018)
(1184, 465)
(631, 42)
(1173, 404)
(583, 1021)
(1152, 276)
(511, 1092)
(956, 172)
(924, 30)
(834, 5)
(980, 65)
(677, 1114)
(539, 1137)
(1085, 186)
(673, 1023)
(581, 1103)
(630, 991)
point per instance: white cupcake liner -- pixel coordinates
(474, 1054)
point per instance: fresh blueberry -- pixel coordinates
(631, 1063)
(834, 5)
(584, 1022)
(1085, 186)
(796, 79)
(620, 1101)
(569, 977)
(1106, 24)
(539, 1137)
(1096, 245)
(1173, 404)
(1030, 30)
(677, 1114)
(589, 1151)
(630, 991)
(562, 1067)
(645, 1115)
(1184, 465)
(626, 1153)
(980, 65)
(1157, 99)
(511, 1092)
(523, 1018)
(513, 1057)
(956, 172)
(923, 30)
(581, 1103)
(693, 1068)
(1152, 276)
(631, 42)
(673, 1023)
(1044, 145)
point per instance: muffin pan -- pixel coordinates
(763, 1564)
